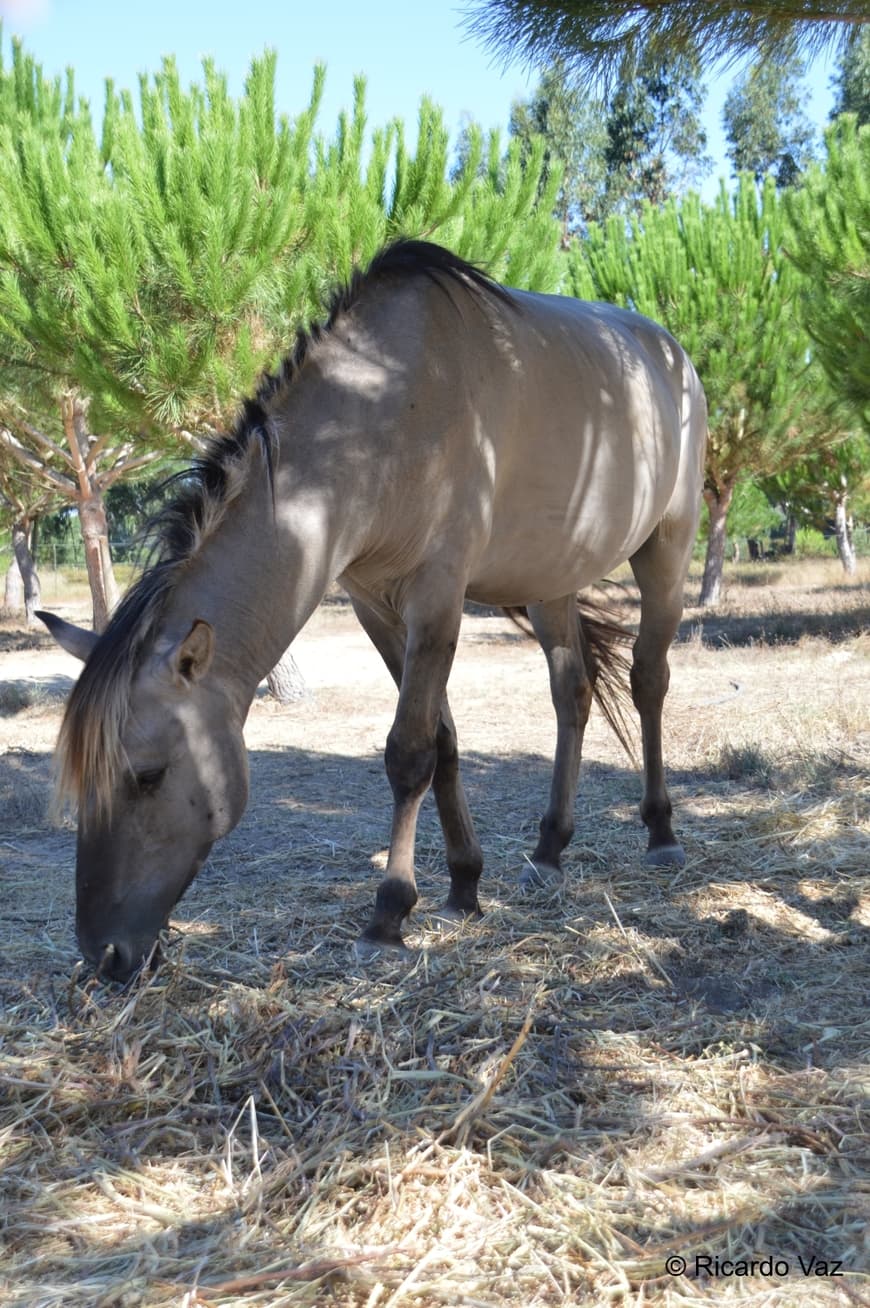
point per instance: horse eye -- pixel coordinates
(150, 779)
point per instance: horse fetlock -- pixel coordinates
(463, 900)
(394, 901)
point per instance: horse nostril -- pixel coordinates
(116, 963)
(106, 961)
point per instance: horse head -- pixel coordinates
(158, 779)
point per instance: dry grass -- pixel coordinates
(539, 1109)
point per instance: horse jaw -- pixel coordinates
(75, 640)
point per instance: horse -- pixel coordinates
(437, 437)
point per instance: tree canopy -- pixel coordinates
(829, 241)
(766, 128)
(851, 82)
(596, 36)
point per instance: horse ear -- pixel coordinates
(192, 659)
(75, 640)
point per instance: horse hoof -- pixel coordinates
(369, 951)
(666, 856)
(540, 876)
(447, 918)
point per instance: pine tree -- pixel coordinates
(717, 278)
(597, 37)
(49, 183)
(829, 241)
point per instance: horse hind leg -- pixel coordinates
(464, 854)
(659, 568)
(556, 627)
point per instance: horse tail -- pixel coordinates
(602, 639)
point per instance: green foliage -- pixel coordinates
(766, 129)
(159, 267)
(572, 127)
(751, 513)
(830, 242)
(834, 472)
(655, 140)
(717, 278)
(809, 543)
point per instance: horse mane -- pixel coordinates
(89, 753)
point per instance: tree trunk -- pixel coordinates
(92, 511)
(790, 533)
(13, 597)
(21, 546)
(98, 560)
(285, 681)
(845, 548)
(718, 503)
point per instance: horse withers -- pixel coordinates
(438, 437)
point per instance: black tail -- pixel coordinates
(602, 639)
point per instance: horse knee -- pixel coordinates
(410, 767)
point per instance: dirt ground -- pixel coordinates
(694, 1043)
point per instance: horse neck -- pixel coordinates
(263, 571)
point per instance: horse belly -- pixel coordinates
(556, 529)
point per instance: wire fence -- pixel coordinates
(61, 565)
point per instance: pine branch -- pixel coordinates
(597, 37)
(123, 468)
(39, 438)
(64, 485)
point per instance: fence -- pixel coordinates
(61, 565)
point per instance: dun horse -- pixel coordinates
(440, 437)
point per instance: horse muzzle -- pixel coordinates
(119, 959)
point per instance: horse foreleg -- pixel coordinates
(411, 759)
(556, 627)
(464, 855)
(659, 572)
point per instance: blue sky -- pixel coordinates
(405, 49)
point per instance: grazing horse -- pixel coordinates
(439, 437)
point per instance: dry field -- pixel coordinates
(643, 1087)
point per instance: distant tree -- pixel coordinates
(828, 240)
(594, 37)
(573, 128)
(22, 503)
(764, 125)
(826, 486)
(641, 141)
(851, 82)
(655, 140)
(717, 277)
